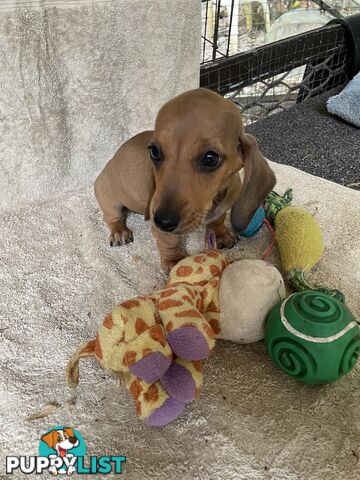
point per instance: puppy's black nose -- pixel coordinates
(166, 221)
(73, 440)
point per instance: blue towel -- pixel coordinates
(347, 103)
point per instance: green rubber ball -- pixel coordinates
(313, 337)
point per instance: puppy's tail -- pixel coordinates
(72, 371)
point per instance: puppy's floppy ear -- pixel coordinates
(258, 182)
(69, 431)
(50, 438)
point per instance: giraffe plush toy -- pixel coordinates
(156, 342)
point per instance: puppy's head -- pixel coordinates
(197, 149)
(61, 440)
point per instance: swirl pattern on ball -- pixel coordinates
(292, 358)
(317, 307)
(350, 356)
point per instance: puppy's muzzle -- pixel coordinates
(167, 221)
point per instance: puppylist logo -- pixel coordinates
(62, 450)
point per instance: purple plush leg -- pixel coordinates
(188, 343)
(179, 383)
(169, 411)
(152, 367)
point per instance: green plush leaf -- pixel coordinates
(275, 202)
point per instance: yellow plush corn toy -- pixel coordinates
(299, 239)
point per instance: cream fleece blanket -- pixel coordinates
(78, 78)
(58, 279)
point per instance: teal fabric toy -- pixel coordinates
(255, 224)
(253, 227)
(313, 337)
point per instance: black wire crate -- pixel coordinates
(272, 77)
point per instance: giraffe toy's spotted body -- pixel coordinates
(156, 342)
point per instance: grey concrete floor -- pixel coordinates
(307, 137)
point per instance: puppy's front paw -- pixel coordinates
(53, 470)
(121, 237)
(168, 263)
(71, 470)
(226, 239)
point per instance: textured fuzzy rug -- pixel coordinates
(59, 278)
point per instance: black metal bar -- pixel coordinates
(216, 29)
(205, 31)
(212, 44)
(230, 24)
(228, 74)
(327, 8)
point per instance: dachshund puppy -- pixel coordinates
(185, 174)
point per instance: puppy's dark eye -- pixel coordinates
(210, 161)
(155, 153)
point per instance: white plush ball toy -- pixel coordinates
(248, 291)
